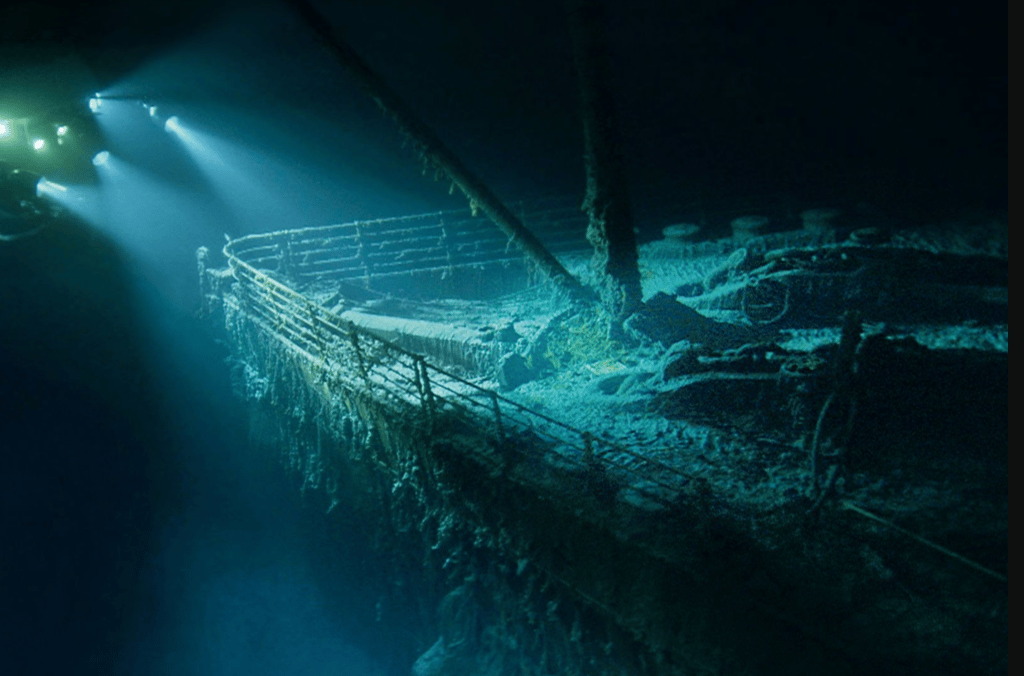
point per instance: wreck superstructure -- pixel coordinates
(755, 489)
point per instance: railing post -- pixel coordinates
(418, 380)
(588, 449)
(426, 382)
(284, 257)
(354, 338)
(318, 339)
(427, 395)
(497, 415)
(202, 261)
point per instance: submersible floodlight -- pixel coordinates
(45, 187)
(168, 124)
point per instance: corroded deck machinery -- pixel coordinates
(794, 461)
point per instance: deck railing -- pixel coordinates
(361, 361)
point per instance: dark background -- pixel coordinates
(902, 103)
(138, 534)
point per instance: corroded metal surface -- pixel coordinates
(748, 475)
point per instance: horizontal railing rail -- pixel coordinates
(411, 243)
(360, 360)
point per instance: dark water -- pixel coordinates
(140, 532)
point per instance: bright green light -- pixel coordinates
(38, 144)
(62, 130)
(5, 128)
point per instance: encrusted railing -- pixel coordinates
(361, 361)
(367, 250)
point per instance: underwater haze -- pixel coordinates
(143, 533)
